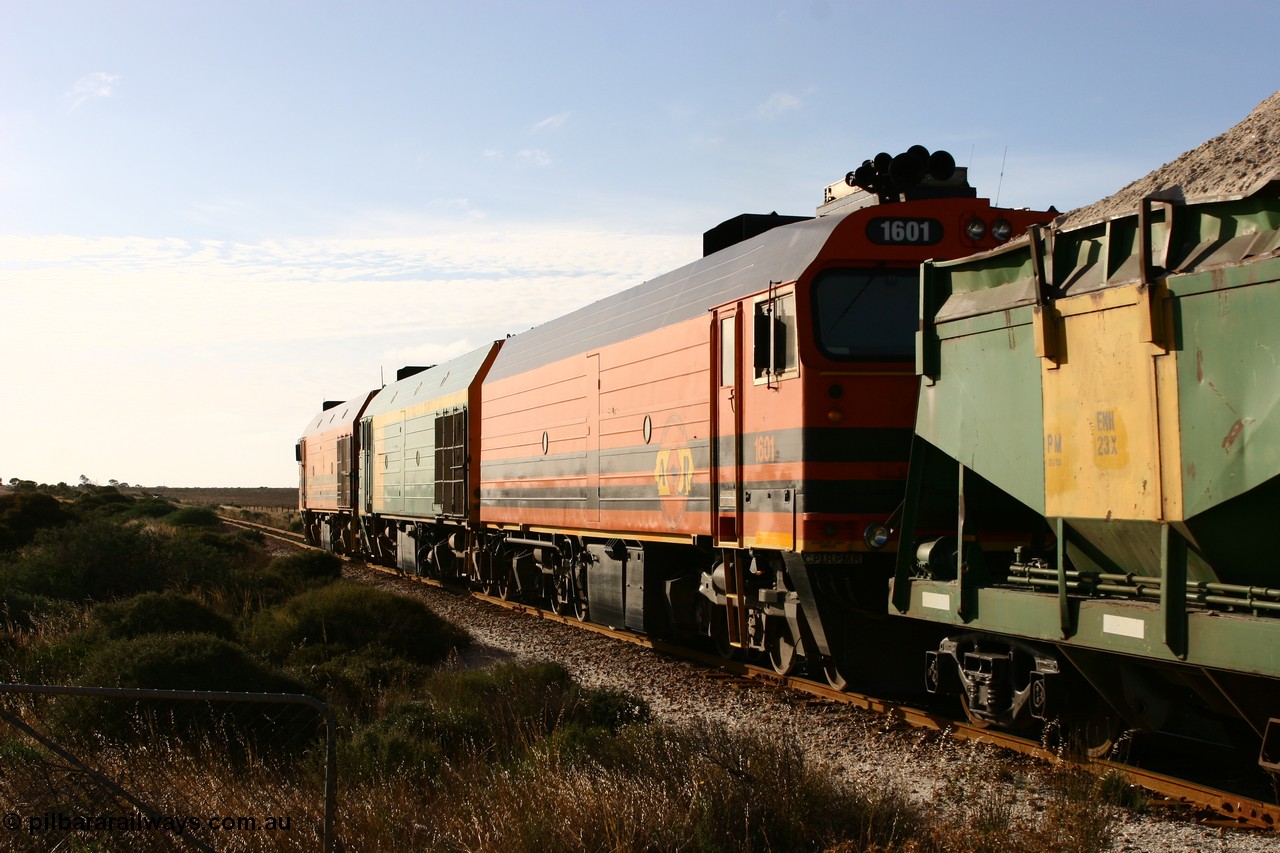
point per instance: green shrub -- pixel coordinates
(306, 566)
(20, 609)
(202, 559)
(149, 508)
(608, 709)
(193, 516)
(157, 613)
(285, 577)
(97, 559)
(324, 622)
(181, 662)
(59, 659)
(492, 716)
(404, 742)
(102, 500)
(358, 682)
(172, 662)
(22, 514)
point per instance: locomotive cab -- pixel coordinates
(813, 404)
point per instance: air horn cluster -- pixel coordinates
(887, 176)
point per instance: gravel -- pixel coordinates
(866, 747)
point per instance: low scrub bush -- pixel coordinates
(102, 500)
(181, 662)
(173, 662)
(492, 715)
(207, 560)
(307, 566)
(284, 577)
(20, 610)
(360, 683)
(149, 508)
(193, 516)
(324, 622)
(104, 558)
(157, 613)
(46, 644)
(22, 514)
(97, 559)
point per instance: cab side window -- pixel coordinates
(775, 337)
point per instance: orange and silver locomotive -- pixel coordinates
(714, 452)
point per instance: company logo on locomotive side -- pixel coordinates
(673, 471)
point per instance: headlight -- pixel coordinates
(976, 229)
(876, 536)
(1001, 229)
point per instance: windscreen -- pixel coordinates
(867, 314)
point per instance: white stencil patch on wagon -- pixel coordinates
(935, 600)
(1124, 626)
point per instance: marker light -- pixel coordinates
(876, 535)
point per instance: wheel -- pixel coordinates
(1096, 735)
(781, 645)
(426, 563)
(1093, 732)
(506, 584)
(835, 677)
(561, 597)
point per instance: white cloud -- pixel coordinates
(220, 351)
(550, 122)
(534, 157)
(459, 206)
(99, 84)
(777, 104)
(435, 352)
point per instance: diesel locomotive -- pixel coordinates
(917, 443)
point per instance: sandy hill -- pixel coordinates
(1239, 160)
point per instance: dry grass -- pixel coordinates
(649, 787)
(165, 780)
(654, 787)
(514, 758)
(991, 803)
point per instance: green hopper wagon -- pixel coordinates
(1096, 473)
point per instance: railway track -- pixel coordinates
(1210, 805)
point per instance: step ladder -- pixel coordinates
(735, 605)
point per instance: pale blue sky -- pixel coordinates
(214, 215)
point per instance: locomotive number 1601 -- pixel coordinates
(897, 231)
